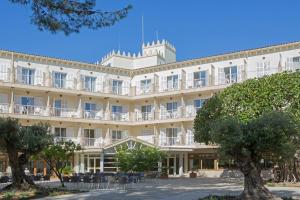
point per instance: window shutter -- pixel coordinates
(99, 84)
(3, 72)
(240, 72)
(125, 87)
(70, 81)
(19, 74)
(99, 111)
(38, 77)
(221, 75)
(162, 137)
(190, 81)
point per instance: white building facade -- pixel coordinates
(147, 98)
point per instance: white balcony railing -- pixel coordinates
(119, 116)
(73, 139)
(147, 138)
(174, 114)
(293, 66)
(169, 141)
(30, 110)
(4, 76)
(65, 112)
(145, 116)
(4, 107)
(145, 90)
(92, 114)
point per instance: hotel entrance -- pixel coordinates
(92, 163)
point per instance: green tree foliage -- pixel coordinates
(20, 143)
(257, 119)
(69, 16)
(143, 159)
(58, 156)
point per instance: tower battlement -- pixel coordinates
(157, 52)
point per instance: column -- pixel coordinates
(174, 164)
(102, 162)
(107, 139)
(216, 164)
(183, 113)
(11, 106)
(186, 160)
(191, 163)
(155, 110)
(183, 134)
(79, 135)
(45, 168)
(168, 165)
(81, 164)
(180, 164)
(48, 108)
(201, 164)
(76, 163)
(107, 110)
(79, 109)
(156, 136)
(34, 167)
(13, 71)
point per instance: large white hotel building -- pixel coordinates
(148, 98)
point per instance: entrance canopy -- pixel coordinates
(130, 142)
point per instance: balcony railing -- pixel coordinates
(174, 114)
(73, 139)
(294, 66)
(119, 116)
(169, 141)
(93, 114)
(30, 110)
(65, 112)
(148, 138)
(145, 90)
(30, 79)
(145, 116)
(4, 76)
(4, 107)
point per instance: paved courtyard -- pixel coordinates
(177, 189)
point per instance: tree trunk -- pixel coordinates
(254, 188)
(19, 179)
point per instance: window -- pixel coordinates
(146, 112)
(89, 83)
(296, 59)
(60, 132)
(172, 106)
(57, 107)
(171, 135)
(28, 76)
(145, 86)
(59, 80)
(89, 137)
(230, 74)
(200, 79)
(263, 69)
(89, 110)
(198, 103)
(27, 105)
(116, 135)
(117, 109)
(89, 133)
(117, 86)
(172, 82)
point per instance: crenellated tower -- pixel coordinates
(155, 53)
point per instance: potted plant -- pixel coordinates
(193, 174)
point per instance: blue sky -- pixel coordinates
(196, 27)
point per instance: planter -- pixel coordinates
(193, 175)
(164, 176)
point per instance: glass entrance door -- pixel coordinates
(172, 165)
(92, 163)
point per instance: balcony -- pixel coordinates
(4, 108)
(65, 112)
(293, 66)
(73, 139)
(144, 90)
(91, 142)
(169, 141)
(4, 75)
(30, 80)
(174, 114)
(93, 114)
(30, 110)
(115, 116)
(144, 116)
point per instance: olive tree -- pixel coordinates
(257, 119)
(20, 143)
(58, 155)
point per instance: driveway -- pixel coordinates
(177, 189)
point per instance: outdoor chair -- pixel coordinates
(37, 177)
(96, 180)
(75, 180)
(46, 177)
(66, 179)
(122, 181)
(4, 179)
(87, 181)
